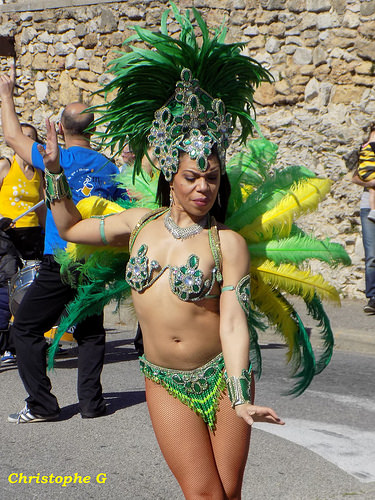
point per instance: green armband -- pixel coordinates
(239, 388)
(57, 187)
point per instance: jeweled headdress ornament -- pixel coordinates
(179, 94)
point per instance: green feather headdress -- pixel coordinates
(179, 94)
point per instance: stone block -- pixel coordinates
(367, 8)
(367, 29)
(80, 30)
(272, 45)
(365, 68)
(318, 5)
(41, 90)
(367, 81)
(283, 87)
(302, 56)
(96, 65)
(351, 20)
(70, 61)
(265, 94)
(346, 94)
(27, 35)
(277, 29)
(251, 31)
(297, 6)
(40, 62)
(90, 41)
(319, 56)
(68, 92)
(311, 90)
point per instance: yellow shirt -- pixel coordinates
(18, 193)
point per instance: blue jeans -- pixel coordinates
(368, 236)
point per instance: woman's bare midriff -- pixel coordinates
(176, 334)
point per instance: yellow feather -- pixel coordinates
(277, 311)
(303, 196)
(292, 280)
(94, 205)
(88, 207)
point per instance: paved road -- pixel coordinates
(326, 450)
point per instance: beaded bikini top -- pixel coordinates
(186, 281)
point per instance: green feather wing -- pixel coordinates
(298, 249)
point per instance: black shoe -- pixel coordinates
(370, 306)
(96, 414)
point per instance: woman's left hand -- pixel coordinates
(251, 413)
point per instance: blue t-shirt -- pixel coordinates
(89, 173)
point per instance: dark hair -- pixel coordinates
(219, 208)
(28, 125)
(76, 124)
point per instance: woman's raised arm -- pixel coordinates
(114, 230)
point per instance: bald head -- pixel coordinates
(75, 120)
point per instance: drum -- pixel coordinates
(20, 282)
(66, 339)
(17, 289)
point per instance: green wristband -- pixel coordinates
(57, 187)
(239, 388)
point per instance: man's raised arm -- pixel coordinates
(12, 130)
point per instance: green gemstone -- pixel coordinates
(193, 261)
(197, 388)
(202, 163)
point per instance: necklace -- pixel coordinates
(181, 233)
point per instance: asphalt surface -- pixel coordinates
(121, 446)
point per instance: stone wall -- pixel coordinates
(320, 52)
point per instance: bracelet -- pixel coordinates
(57, 187)
(101, 230)
(239, 388)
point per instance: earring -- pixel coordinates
(218, 200)
(170, 199)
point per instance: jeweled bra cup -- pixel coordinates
(185, 281)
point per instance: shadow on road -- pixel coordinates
(115, 401)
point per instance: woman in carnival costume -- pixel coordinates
(188, 272)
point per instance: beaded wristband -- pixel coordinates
(57, 187)
(239, 388)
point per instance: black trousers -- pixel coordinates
(39, 311)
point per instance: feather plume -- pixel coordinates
(317, 312)
(304, 196)
(145, 80)
(292, 280)
(271, 192)
(278, 311)
(298, 249)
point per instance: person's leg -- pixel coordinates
(184, 440)
(230, 444)
(39, 310)
(371, 214)
(4, 319)
(90, 336)
(368, 237)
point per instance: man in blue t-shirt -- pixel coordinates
(89, 173)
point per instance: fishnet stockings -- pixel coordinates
(206, 464)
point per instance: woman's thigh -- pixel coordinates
(230, 444)
(185, 442)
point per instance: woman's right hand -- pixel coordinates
(251, 413)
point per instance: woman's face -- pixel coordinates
(195, 191)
